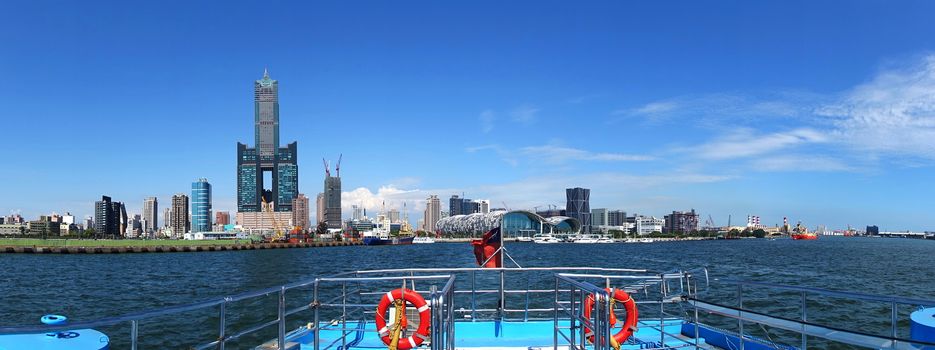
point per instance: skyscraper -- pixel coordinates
(150, 212)
(320, 207)
(179, 222)
(121, 213)
(454, 205)
(201, 206)
(333, 201)
(167, 216)
(106, 222)
(432, 214)
(577, 205)
(266, 172)
(300, 211)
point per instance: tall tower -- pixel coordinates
(332, 200)
(201, 206)
(266, 172)
(179, 223)
(578, 206)
(300, 211)
(433, 213)
(150, 214)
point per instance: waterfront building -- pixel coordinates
(45, 226)
(68, 219)
(681, 222)
(88, 223)
(201, 206)
(266, 162)
(320, 208)
(332, 201)
(514, 224)
(134, 226)
(577, 205)
(10, 229)
(150, 214)
(106, 217)
(616, 217)
(357, 213)
(644, 225)
(167, 217)
(599, 217)
(222, 218)
(179, 218)
(464, 206)
(300, 211)
(122, 218)
(432, 213)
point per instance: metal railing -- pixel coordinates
(802, 325)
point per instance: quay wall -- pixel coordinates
(164, 248)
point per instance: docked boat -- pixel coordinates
(592, 239)
(423, 240)
(389, 240)
(545, 238)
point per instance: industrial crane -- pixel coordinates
(268, 209)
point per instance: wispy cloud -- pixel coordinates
(524, 114)
(487, 119)
(746, 142)
(801, 163)
(557, 155)
(892, 114)
(715, 110)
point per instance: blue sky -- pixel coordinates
(817, 110)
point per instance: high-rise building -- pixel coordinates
(599, 217)
(357, 213)
(484, 206)
(320, 208)
(873, 230)
(179, 221)
(616, 218)
(222, 218)
(106, 218)
(201, 206)
(432, 214)
(88, 223)
(150, 212)
(454, 205)
(681, 222)
(464, 206)
(333, 201)
(577, 205)
(266, 172)
(121, 211)
(300, 211)
(167, 217)
(134, 226)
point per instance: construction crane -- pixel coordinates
(327, 168)
(268, 209)
(337, 167)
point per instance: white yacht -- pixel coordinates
(423, 240)
(590, 238)
(545, 238)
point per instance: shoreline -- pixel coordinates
(178, 248)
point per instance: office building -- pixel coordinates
(179, 218)
(45, 227)
(167, 217)
(484, 206)
(150, 214)
(332, 201)
(107, 218)
(300, 211)
(577, 205)
(616, 217)
(681, 222)
(599, 217)
(222, 218)
(320, 208)
(201, 206)
(432, 213)
(454, 205)
(644, 225)
(123, 223)
(873, 230)
(266, 172)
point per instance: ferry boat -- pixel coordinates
(513, 307)
(389, 240)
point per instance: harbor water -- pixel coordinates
(85, 287)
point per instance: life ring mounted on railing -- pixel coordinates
(629, 327)
(392, 334)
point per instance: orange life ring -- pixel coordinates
(422, 333)
(632, 315)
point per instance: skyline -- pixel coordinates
(825, 114)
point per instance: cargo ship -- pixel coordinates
(801, 233)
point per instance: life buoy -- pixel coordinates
(401, 296)
(632, 315)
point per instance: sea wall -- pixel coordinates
(165, 248)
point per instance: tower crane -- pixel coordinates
(337, 167)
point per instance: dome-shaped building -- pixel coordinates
(514, 223)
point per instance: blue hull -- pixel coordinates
(391, 241)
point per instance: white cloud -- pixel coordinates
(746, 142)
(487, 119)
(715, 110)
(524, 114)
(558, 155)
(893, 113)
(801, 163)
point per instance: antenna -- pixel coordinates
(337, 168)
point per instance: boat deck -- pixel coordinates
(484, 335)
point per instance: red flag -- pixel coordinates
(485, 249)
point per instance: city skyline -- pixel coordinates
(654, 112)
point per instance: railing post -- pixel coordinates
(572, 328)
(434, 312)
(344, 315)
(804, 319)
(555, 318)
(502, 306)
(315, 304)
(222, 324)
(282, 318)
(893, 316)
(740, 313)
(473, 295)
(134, 333)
